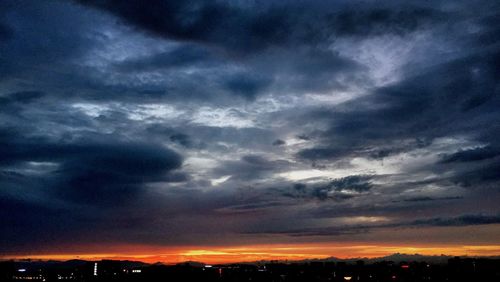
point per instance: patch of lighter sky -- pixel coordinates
(222, 117)
(434, 190)
(353, 220)
(90, 109)
(119, 43)
(333, 98)
(199, 163)
(156, 112)
(383, 55)
(200, 167)
(146, 112)
(245, 115)
(293, 141)
(36, 168)
(401, 163)
(251, 114)
(220, 180)
(314, 174)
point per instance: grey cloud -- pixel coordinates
(471, 155)
(182, 56)
(337, 189)
(182, 139)
(396, 112)
(478, 176)
(303, 137)
(321, 153)
(472, 219)
(21, 97)
(426, 199)
(247, 86)
(464, 220)
(358, 183)
(251, 167)
(279, 142)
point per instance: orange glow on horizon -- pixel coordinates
(214, 255)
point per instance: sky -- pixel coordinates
(242, 130)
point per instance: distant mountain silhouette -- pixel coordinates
(192, 264)
(396, 257)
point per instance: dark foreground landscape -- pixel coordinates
(392, 268)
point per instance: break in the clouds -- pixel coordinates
(243, 122)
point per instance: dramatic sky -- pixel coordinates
(230, 130)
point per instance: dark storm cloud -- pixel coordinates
(221, 78)
(271, 24)
(246, 86)
(93, 171)
(41, 35)
(182, 139)
(58, 62)
(471, 155)
(21, 97)
(13, 102)
(190, 122)
(321, 153)
(480, 175)
(358, 183)
(184, 56)
(56, 59)
(282, 47)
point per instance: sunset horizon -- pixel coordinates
(248, 254)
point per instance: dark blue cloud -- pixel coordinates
(471, 219)
(339, 189)
(278, 142)
(93, 171)
(471, 155)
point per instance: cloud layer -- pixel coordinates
(242, 122)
